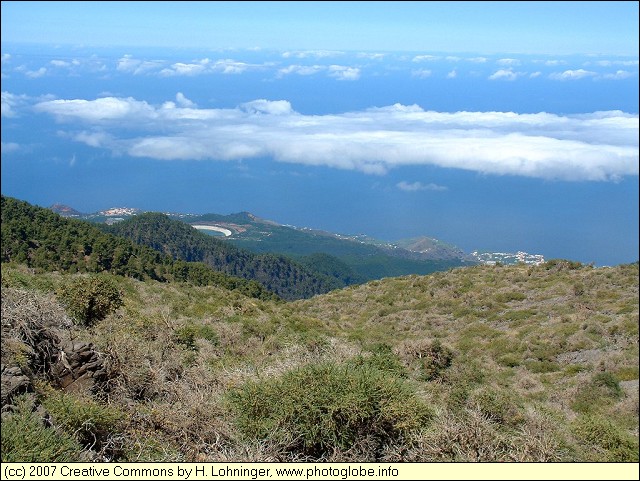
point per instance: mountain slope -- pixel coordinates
(366, 258)
(279, 274)
(44, 240)
(481, 364)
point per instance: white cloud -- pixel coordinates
(508, 62)
(535, 74)
(301, 70)
(416, 186)
(105, 108)
(423, 58)
(504, 74)
(596, 146)
(619, 75)
(371, 56)
(342, 72)
(188, 69)
(10, 102)
(572, 75)
(184, 101)
(8, 147)
(313, 54)
(6, 57)
(135, 66)
(452, 74)
(478, 59)
(421, 73)
(262, 106)
(554, 63)
(36, 73)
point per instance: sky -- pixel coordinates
(493, 126)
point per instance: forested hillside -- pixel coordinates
(43, 240)
(279, 274)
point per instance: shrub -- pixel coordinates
(90, 422)
(317, 409)
(90, 299)
(609, 382)
(435, 360)
(187, 335)
(612, 444)
(25, 439)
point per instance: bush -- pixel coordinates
(91, 423)
(187, 335)
(90, 299)
(435, 360)
(25, 439)
(613, 444)
(318, 409)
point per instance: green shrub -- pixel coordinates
(90, 299)
(187, 335)
(435, 360)
(383, 359)
(91, 423)
(611, 442)
(25, 439)
(609, 382)
(317, 409)
(499, 406)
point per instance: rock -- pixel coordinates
(79, 367)
(14, 383)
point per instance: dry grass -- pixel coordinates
(536, 355)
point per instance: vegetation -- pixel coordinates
(90, 299)
(288, 279)
(45, 241)
(484, 363)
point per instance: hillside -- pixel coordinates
(45, 241)
(288, 279)
(477, 364)
(366, 258)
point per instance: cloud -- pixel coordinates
(452, 74)
(206, 66)
(535, 74)
(421, 73)
(342, 72)
(135, 66)
(184, 101)
(36, 73)
(478, 59)
(10, 102)
(572, 75)
(508, 61)
(371, 56)
(8, 147)
(416, 186)
(301, 70)
(423, 58)
(554, 63)
(313, 54)
(595, 146)
(619, 75)
(6, 57)
(504, 74)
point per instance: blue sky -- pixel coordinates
(490, 125)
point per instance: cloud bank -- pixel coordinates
(595, 146)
